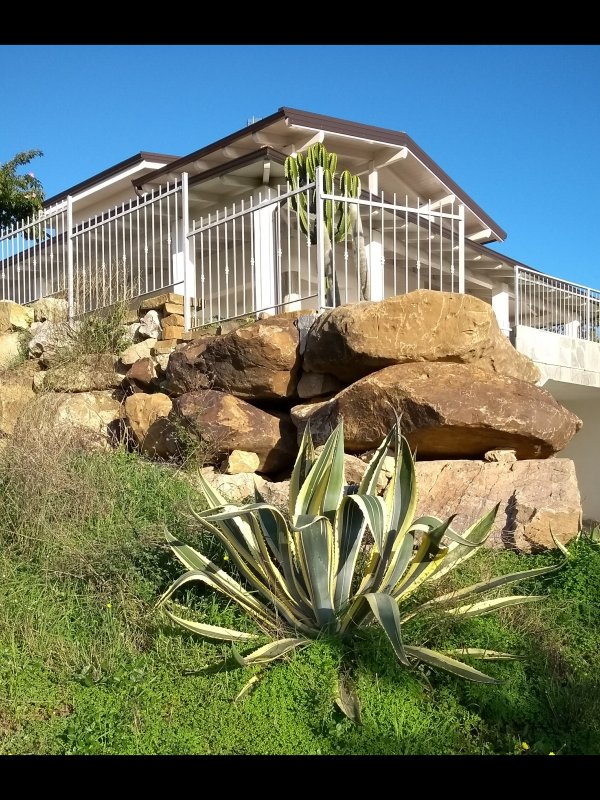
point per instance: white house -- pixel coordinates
(222, 227)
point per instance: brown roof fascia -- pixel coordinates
(387, 136)
(263, 154)
(180, 163)
(116, 168)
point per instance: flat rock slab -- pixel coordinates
(535, 496)
(447, 410)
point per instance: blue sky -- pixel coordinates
(516, 126)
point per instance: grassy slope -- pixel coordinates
(86, 666)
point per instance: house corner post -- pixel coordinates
(70, 293)
(320, 238)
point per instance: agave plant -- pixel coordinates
(314, 573)
(340, 218)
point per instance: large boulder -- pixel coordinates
(15, 393)
(354, 340)
(14, 317)
(535, 497)
(87, 373)
(447, 410)
(225, 423)
(147, 419)
(255, 362)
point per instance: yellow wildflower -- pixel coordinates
(524, 745)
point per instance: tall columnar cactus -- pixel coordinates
(340, 218)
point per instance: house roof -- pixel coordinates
(142, 160)
(402, 166)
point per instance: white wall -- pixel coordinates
(584, 449)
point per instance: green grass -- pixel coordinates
(88, 667)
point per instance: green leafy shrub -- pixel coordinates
(313, 575)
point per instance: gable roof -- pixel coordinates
(358, 146)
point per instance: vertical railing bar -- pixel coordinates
(234, 257)
(243, 237)
(71, 310)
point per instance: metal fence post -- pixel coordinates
(320, 239)
(187, 307)
(70, 293)
(588, 325)
(517, 308)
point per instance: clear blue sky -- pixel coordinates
(516, 126)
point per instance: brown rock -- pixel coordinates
(50, 308)
(164, 346)
(197, 333)
(143, 372)
(147, 418)
(258, 361)
(173, 308)
(534, 496)
(16, 391)
(354, 340)
(91, 417)
(172, 331)
(173, 319)
(184, 372)
(14, 317)
(88, 373)
(316, 384)
(10, 349)
(448, 410)
(158, 301)
(134, 352)
(239, 461)
(225, 423)
(236, 489)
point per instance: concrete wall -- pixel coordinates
(571, 373)
(560, 358)
(584, 449)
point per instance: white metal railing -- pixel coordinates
(127, 251)
(122, 253)
(555, 305)
(263, 254)
(33, 256)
